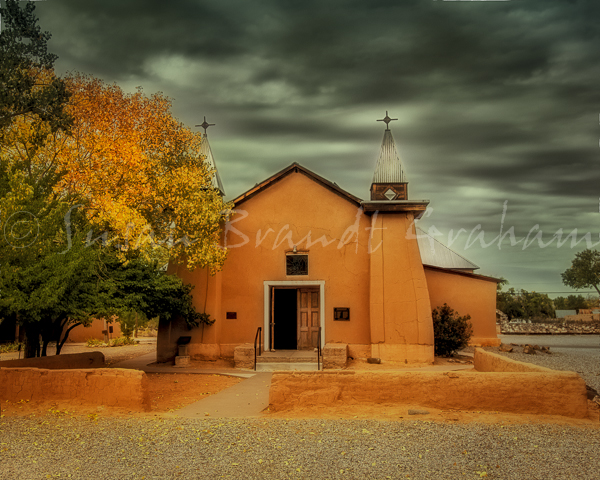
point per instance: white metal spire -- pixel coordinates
(389, 167)
(206, 151)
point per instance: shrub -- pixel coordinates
(94, 342)
(119, 342)
(451, 332)
(10, 347)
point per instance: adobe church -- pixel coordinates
(309, 262)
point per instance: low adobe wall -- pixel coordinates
(115, 387)
(555, 393)
(64, 361)
(492, 362)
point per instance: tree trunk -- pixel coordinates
(60, 343)
(44, 347)
(32, 341)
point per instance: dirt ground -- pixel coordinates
(456, 360)
(171, 391)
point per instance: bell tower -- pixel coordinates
(400, 310)
(389, 181)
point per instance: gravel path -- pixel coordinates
(110, 448)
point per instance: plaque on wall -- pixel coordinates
(341, 314)
(231, 315)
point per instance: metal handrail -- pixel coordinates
(319, 351)
(259, 337)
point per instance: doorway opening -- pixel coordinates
(279, 326)
(285, 315)
(295, 318)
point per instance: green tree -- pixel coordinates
(509, 302)
(451, 332)
(572, 302)
(143, 287)
(28, 86)
(536, 305)
(584, 271)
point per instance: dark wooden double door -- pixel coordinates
(295, 315)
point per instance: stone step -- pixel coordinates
(273, 366)
(285, 359)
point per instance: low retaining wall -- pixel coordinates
(335, 355)
(492, 362)
(550, 329)
(555, 393)
(243, 356)
(54, 362)
(115, 387)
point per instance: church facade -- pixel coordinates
(309, 262)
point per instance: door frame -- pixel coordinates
(268, 284)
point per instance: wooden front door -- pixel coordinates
(308, 318)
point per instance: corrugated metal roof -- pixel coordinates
(436, 254)
(389, 166)
(564, 313)
(206, 151)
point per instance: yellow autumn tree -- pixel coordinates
(135, 171)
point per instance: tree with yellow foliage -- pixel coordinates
(135, 171)
(95, 186)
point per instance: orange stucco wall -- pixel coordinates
(368, 263)
(468, 295)
(293, 211)
(401, 326)
(555, 393)
(117, 387)
(81, 334)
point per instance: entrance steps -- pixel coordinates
(275, 366)
(304, 360)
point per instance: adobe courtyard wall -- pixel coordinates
(492, 362)
(555, 393)
(59, 362)
(115, 387)
(467, 295)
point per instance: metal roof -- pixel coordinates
(564, 313)
(389, 166)
(206, 151)
(436, 254)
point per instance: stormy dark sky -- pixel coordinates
(498, 102)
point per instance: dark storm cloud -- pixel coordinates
(497, 101)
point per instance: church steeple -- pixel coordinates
(206, 151)
(389, 181)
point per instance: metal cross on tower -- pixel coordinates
(387, 120)
(205, 125)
